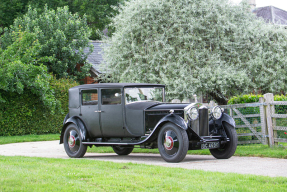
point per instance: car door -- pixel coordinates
(112, 113)
(90, 112)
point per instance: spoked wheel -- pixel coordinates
(122, 150)
(229, 148)
(73, 142)
(172, 143)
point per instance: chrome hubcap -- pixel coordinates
(168, 143)
(72, 141)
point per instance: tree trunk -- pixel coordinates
(219, 100)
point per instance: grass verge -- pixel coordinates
(28, 138)
(45, 174)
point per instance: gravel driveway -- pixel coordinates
(244, 165)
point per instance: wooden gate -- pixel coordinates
(263, 122)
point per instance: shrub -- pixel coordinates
(21, 69)
(244, 99)
(251, 98)
(23, 114)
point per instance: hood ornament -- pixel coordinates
(171, 111)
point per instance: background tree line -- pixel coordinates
(197, 47)
(98, 12)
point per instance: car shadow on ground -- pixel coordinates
(151, 158)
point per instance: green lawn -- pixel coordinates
(28, 138)
(257, 150)
(48, 174)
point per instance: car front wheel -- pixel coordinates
(172, 143)
(73, 142)
(229, 148)
(122, 150)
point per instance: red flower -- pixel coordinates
(285, 133)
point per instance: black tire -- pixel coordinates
(122, 150)
(229, 148)
(73, 142)
(172, 143)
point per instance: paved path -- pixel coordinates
(244, 165)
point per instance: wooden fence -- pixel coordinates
(263, 122)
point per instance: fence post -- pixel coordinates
(274, 132)
(268, 99)
(264, 130)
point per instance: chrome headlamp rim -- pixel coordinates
(190, 116)
(216, 112)
(186, 109)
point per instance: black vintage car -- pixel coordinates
(125, 115)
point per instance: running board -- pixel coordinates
(111, 143)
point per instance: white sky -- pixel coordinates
(281, 4)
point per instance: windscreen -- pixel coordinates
(144, 94)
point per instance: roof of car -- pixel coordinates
(116, 85)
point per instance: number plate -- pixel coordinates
(210, 145)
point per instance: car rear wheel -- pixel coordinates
(172, 143)
(229, 148)
(73, 142)
(122, 150)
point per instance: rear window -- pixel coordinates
(90, 97)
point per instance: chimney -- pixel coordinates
(252, 4)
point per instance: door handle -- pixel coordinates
(98, 111)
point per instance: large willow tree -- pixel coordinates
(196, 46)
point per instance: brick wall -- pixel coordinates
(94, 97)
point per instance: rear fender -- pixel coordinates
(77, 122)
(66, 118)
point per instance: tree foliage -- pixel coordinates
(62, 36)
(9, 10)
(96, 11)
(195, 47)
(21, 69)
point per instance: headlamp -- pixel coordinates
(216, 112)
(192, 113)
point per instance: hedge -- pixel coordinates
(252, 99)
(24, 114)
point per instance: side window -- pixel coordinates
(90, 97)
(111, 96)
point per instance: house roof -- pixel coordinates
(272, 15)
(116, 85)
(96, 57)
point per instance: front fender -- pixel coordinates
(77, 122)
(173, 118)
(225, 118)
